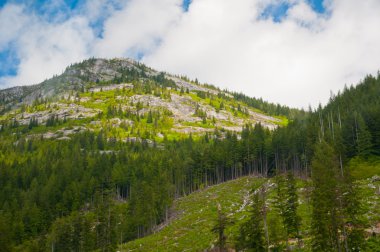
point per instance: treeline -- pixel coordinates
(350, 123)
(270, 108)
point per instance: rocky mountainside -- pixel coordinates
(130, 100)
(73, 78)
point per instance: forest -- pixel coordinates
(93, 193)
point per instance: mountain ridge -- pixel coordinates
(124, 93)
(75, 77)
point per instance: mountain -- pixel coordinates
(127, 95)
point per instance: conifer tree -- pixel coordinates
(150, 117)
(325, 221)
(353, 233)
(251, 236)
(5, 237)
(287, 203)
(219, 228)
(291, 217)
(363, 136)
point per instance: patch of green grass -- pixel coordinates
(197, 212)
(207, 125)
(284, 121)
(361, 168)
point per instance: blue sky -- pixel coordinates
(279, 10)
(264, 48)
(62, 10)
(59, 11)
(54, 12)
(186, 4)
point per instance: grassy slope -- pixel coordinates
(190, 230)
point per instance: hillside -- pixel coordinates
(189, 229)
(194, 216)
(133, 101)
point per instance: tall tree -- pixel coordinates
(325, 216)
(219, 228)
(363, 137)
(251, 236)
(287, 203)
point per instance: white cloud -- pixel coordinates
(44, 49)
(11, 23)
(295, 62)
(138, 27)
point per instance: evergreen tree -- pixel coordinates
(287, 203)
(364, 144)
(150, 117)
(5, 235)
(353, 233)
(219, 229)
(292, 219)
(251, 236)
(325, 216)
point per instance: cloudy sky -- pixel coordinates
(293, 52)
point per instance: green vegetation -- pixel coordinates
(195, 215)
(365, 168)
(101, 163)
(198, 213)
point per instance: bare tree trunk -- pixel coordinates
(263, 195)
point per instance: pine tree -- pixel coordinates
(150, 117)
(325, 221)
(292, 220)
(219, 228)
(251, 236)
(351, 208)
(287, 203)
(363, 138)
(5, 236)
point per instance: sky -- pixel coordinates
(292, 52)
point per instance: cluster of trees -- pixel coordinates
(269, 108)
(336, 223)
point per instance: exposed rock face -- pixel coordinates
(62, 134)
(73, 78)
(111, 87)
(184, 109)
(62, 111)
